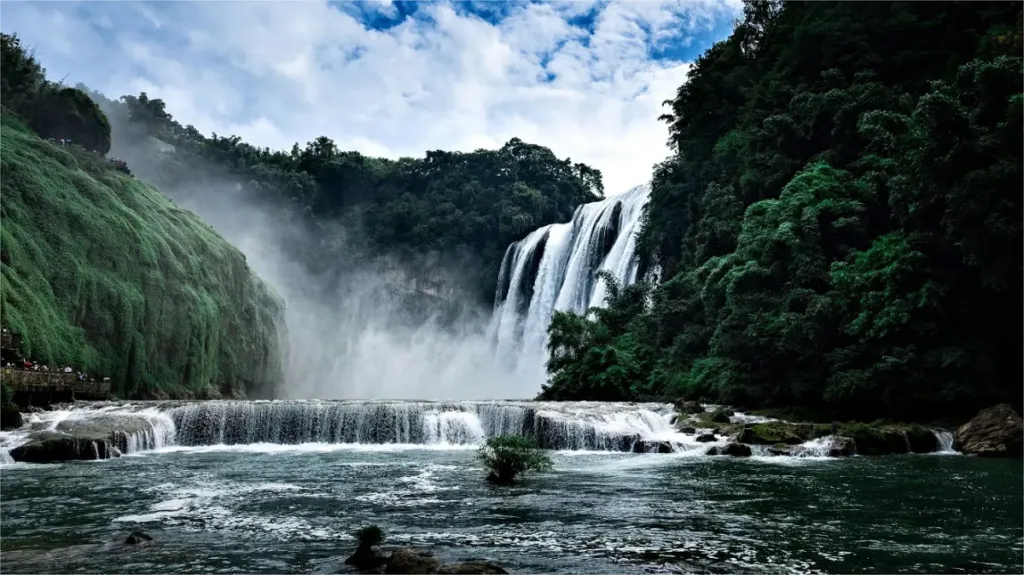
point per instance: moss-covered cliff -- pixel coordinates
(102, 272)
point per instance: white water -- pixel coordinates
(555, 268)
(945, 440)
(269, 426)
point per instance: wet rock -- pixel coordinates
(366, 558)
(471, 567)
(874, 439)
(688, 430)
(687, 406)
(780, 449)
(720, 416)
(996, 431)
(10, 417)
(137, 537)
(773, 433)
(732, 449)
(921, 439)
(842, 447)
(411, 562)
(705, 437)
(651, 446)
(84, 439)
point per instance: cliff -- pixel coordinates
(103, 273)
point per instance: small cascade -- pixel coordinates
(820, 447)
(555, 268)
(944, 440)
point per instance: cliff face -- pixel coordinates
(103, 273)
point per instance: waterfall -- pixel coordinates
(555, 268)
(104, 431)
(944, 440)
(573, 426)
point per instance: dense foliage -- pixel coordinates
(839, 226)
(104, 273)
(509, 456)
(50, 109)
(466, 207)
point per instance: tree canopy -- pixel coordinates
(839, 226)
(471, 204)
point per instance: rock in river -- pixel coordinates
(74, 439)
(996, 431)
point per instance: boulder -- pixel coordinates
(921, 439)
(688, 430)
(705, 437)
(780, 449)
(732, 449)
(651, 446)
(996, 431)
(842, 447)
(875, 439)
(10, 417)
(411, 562)
(77, 439)
(720, 416)
(137, 537)
(366, 558)
(773, 433)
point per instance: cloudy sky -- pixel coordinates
(394, 79)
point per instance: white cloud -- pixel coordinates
(279, 72)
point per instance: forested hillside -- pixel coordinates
(101, 272)
(464, 207)
(839, 226)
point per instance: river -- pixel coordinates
(291, 508)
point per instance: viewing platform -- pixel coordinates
(44, 387)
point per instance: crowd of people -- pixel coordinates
(26, 365)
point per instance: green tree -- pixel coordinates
(509, 456)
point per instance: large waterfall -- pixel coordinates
(555, 268)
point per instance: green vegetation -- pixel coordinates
(10, 415)
(839, 227)
(51, 110)
(508, 456)
(370, 536)
(466, 207)
(103, 273)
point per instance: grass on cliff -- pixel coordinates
(102, 272)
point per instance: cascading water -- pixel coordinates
(555, 268)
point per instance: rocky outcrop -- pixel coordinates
(10, 417)
(842, 447)
(705, 438)
(137, 538)
(414, 562)
(996, 431)
(732, 449)
(81, 439)
(652, 446)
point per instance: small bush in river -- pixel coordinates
(507, 456)
(370, 536)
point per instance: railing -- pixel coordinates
(34, 382)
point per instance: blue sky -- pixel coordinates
(394, 79)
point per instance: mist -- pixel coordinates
(350, 331)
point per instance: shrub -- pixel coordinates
(507, 456)
(370, 536)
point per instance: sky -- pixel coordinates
(393, 79)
